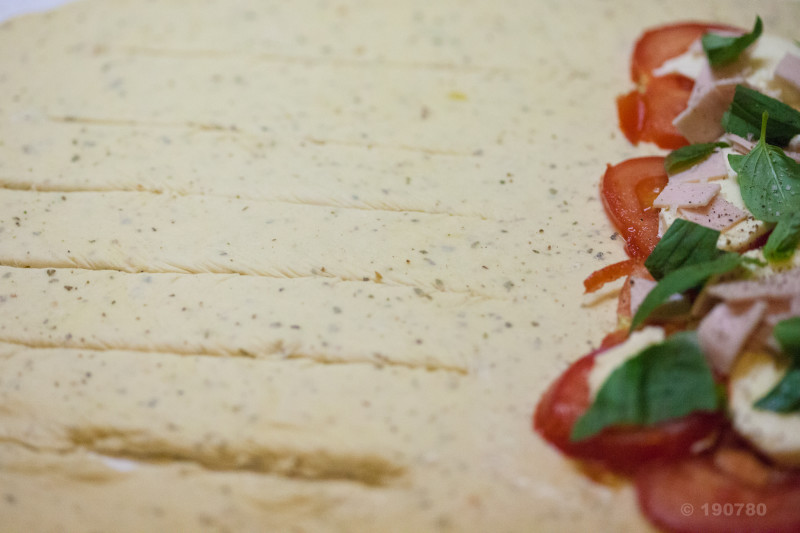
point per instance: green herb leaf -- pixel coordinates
(787, 333)
(721, 49)
(683, 279)
(785, 396)
(768, 179)
(687, 156)
(663, 382)
(684, 243)
(783, 240)
(743, 117)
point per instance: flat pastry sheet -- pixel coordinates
(307, 266)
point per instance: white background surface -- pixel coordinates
(10, 8)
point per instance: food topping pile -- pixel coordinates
(697, 394)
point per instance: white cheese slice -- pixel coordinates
(777, 435)
(612, 358)
(763, 269)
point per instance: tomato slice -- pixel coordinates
(631, 112)
(607, 274)
(647, 116)
(622, 449)
(696, 495)
(628, 190)
(659, 44)
(664, 99)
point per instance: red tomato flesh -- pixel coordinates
(628, 190)
(647, 116)
(631, 111)
(609, 273)
(664, 99)
(695, 495)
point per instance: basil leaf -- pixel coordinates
(783, 240)
(743, 117)
(685, 157)
(664, 381)
(684, 243)
(785, 396)
(768, 179)
(683, 279)
(787, 333)
(721, 49)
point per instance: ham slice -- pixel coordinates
(743, 146)
(781, 310)
(777, 311)
(724, 331)
(640, 288)
(739, 143)
(701, 121)
(711, 168)
(793, 155)
(677, 195)
(783, 285)
(719, 214)
(789, 70)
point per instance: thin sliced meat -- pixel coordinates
(739, 143)
(777, 310)
(640, 287)
(782, 286)
(720, 214)
(789, 70)
(701, 121)
(743, 146)
(711, 168)
(677, 195)
(724, 330)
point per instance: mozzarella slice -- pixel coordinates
(777, 435)
(612, 358)
(760, 268)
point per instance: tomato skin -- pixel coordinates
(679, 496)
(631, 112)
(607, 274)
(622, 449)
(665, 98)
(647, 116)
(628, 190)
(661, 43)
